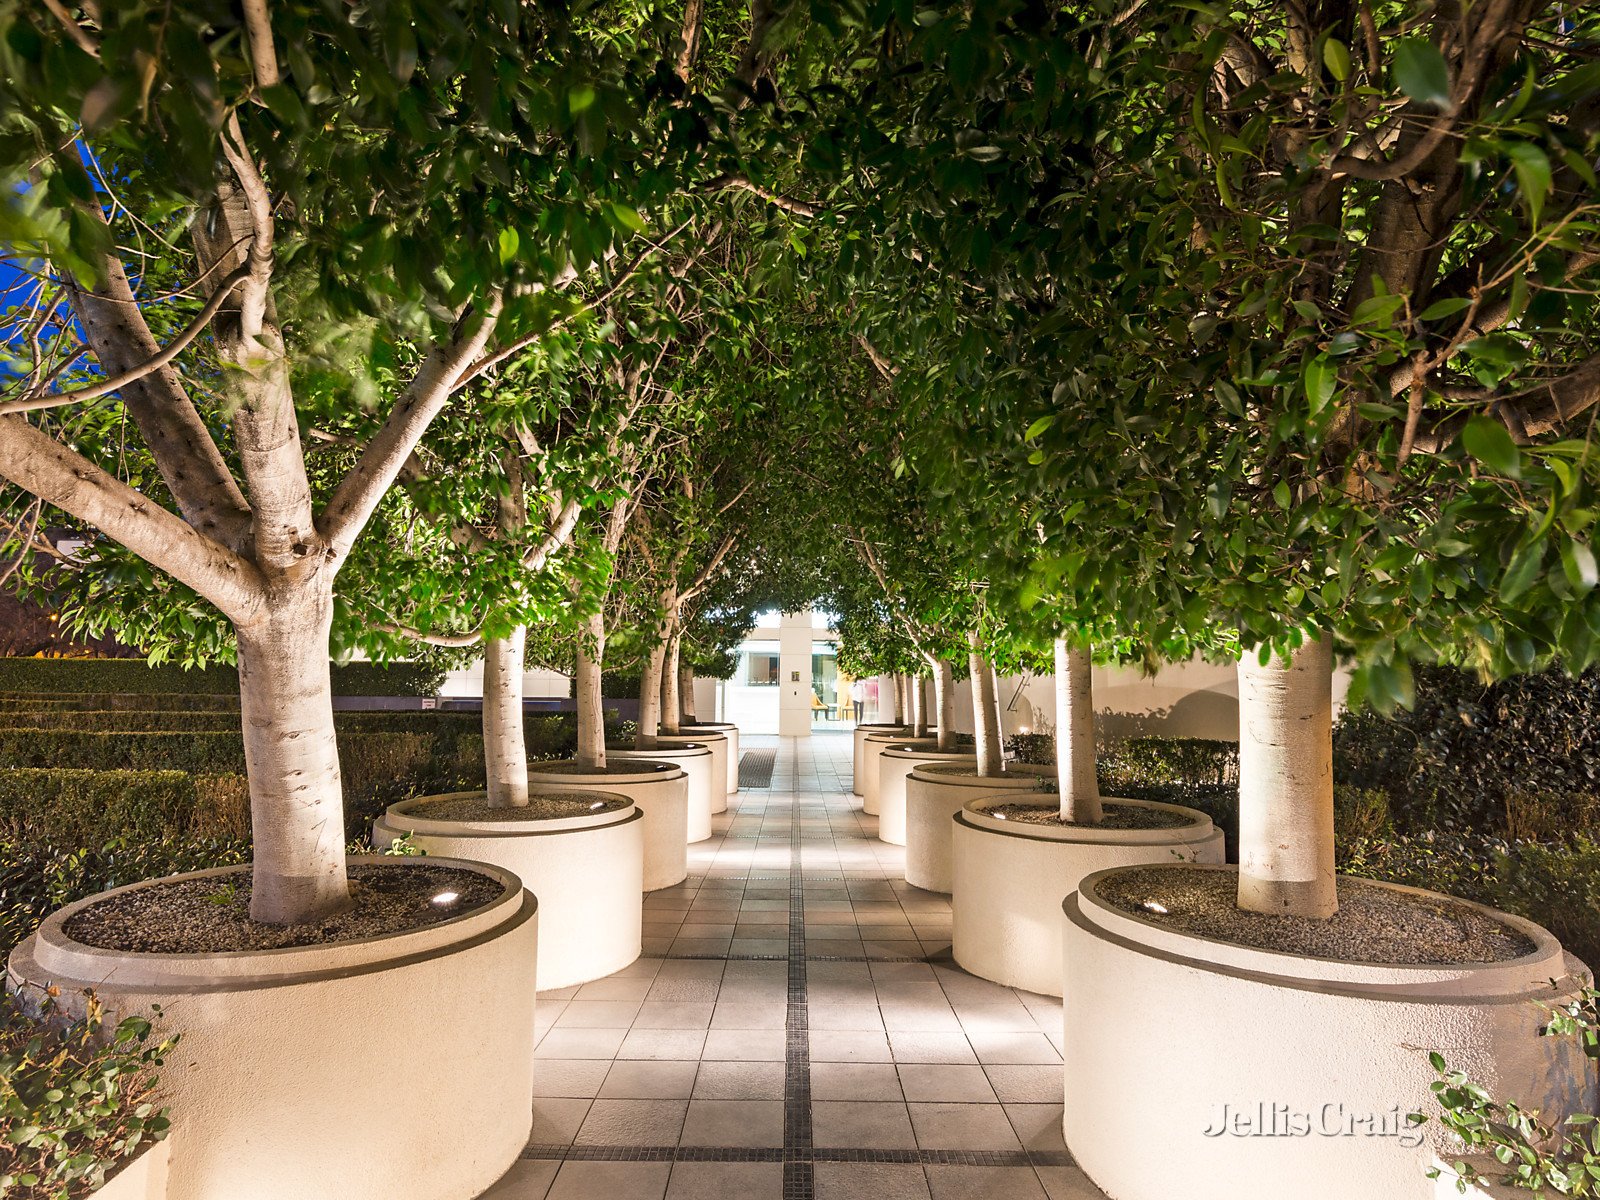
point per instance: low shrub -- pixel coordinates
(76, 1099)
(1556, 884)
(1145, 761)
(133, 675)
(1032, 749)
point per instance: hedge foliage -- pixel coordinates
(134, 675)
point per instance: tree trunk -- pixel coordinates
(650, 697)
(985, 711)
(919, 714)
(591, 751)
(1075, 765)
(505, 747)
(1286, 783)
(944, 702)
(902, 699)
(292, 761)
(686, 696)
(671, 698)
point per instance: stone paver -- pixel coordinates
(796, 1029)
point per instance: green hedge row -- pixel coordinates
(58, 675)
(128, 720)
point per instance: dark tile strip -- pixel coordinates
(772, 1154)
(799, 1178)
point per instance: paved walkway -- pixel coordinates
(796, 1029)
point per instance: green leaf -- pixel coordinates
(1440, 309)
(1532, 166)
(1578, 562)
(1487, 441)
(509, 241)
(1336, 57)
(1320, 378)
(1039, 427)
(627, 217)
(580, 99)
(1420, 71)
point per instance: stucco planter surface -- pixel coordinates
(858, 739)
(872, 749)
(142, 1177)
(1282, 1074)
(661, 792)
(895, 765)
(719, 746)
(587, 871)
(386, 1068)
(694, 759)
(933, 797)
(730, 731)
(1009, 881)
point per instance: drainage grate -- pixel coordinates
(755, 768)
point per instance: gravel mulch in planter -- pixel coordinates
(212, 915)
(968, 771)
(1117, 816)
(1373, 925)
(548, 807)
(633, 766)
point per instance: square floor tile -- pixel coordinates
(581, 1043)
(945, 1082)
(633, 1123)
(748, 1016)
(919, 1047)
(739, 1081)
(1013, 1048)
(870, 1181)
(598, 1014)
(745, 1045)
(867, 1046)
(1027, 1084)
(874, 1124)
(1038, 1126)
(854, 1081)
(959, 1127)
(723, 1181)
(984, 1183)
(647, 1079)
(1068, 1183)
(569, 1076)
(674, 1014)
(528, 1179)
(742, 1123)
(615, 987)
(557, 1121)
(588, 1180)
(663, 1043)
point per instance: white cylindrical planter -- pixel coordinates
(1009, 881)
(695, 760)
(297, 1073)
(587, 871)
(872, 748)
(719, 747)
(1303, 1070)
(660, 790)
(895, 764)
(935, 792)
(862, 732)
(730, 731)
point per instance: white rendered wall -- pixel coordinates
(795, 635)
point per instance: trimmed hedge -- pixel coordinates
(127, 675)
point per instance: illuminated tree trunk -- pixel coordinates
(650, 697)
(686, 695)
(591, 752)
(505, 749)
(671, 698)
(944, 702)
(985, 710)
(1075, 759)
(1286, 783)
(919, 715)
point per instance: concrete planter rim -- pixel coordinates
(977, 816)
(680, 749)
(894, 733)
(403, 816)
(646, 771)
(1513, 976)
(59, 954)
(915, 750)
(712, 726)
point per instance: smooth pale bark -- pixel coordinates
(591, 752)
(505, 748)
(1075, 764)
(650, 698)
(944, 702)
(292, 760)
(1286, 783)
(985, 711)
(902, 699)
(686, 696)
(671, 699)
(919, 714)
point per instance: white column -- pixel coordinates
(794, 674)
